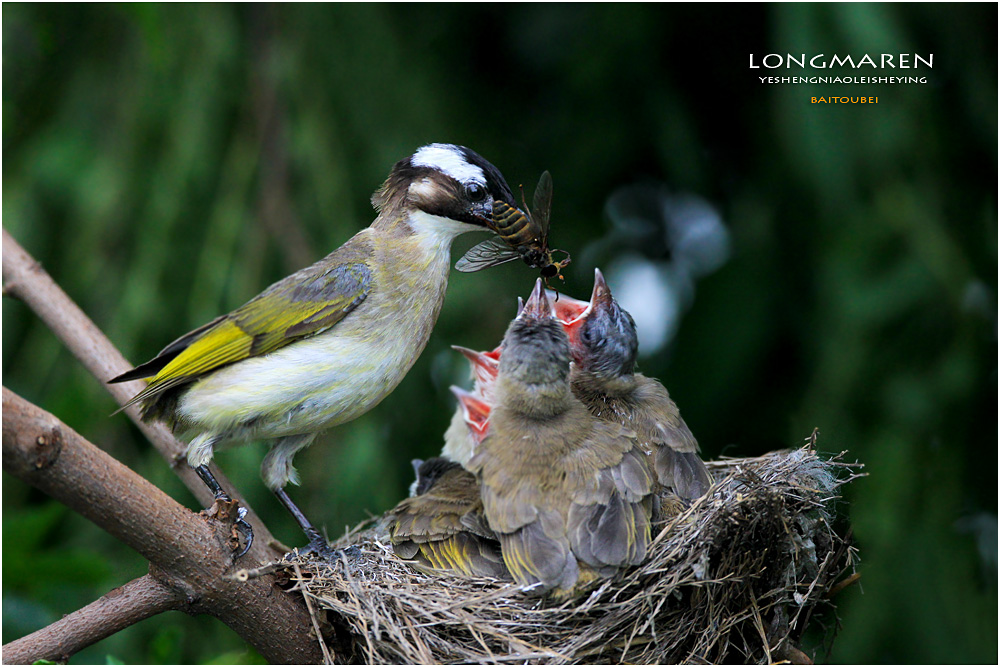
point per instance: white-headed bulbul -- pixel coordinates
(326, 344)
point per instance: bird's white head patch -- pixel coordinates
(451, 160)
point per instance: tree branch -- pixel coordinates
(25, 279)
(124, 606)
(188, 553)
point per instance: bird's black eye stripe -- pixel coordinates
(475, 192)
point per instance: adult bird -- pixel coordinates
(329, 342)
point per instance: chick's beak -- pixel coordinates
(484, 364)
(572, 313)
(601, 296)
(538, 305)
(475, 412)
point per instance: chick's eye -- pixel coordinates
(475, 192)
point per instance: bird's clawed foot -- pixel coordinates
(320, 547)
(244, 528)
(223, 507)
(317, 543)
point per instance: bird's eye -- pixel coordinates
(475, 192)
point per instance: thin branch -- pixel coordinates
(124, 606)
(187, 552)
(25, 279)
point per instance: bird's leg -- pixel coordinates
(317, 543)
(212, 483)
(277, 471)
(241, 523)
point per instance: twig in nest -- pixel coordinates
(327, 657)
(841, 585)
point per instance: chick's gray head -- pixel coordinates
(535, 348)
(603, 338)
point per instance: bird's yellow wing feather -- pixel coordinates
(304, 304)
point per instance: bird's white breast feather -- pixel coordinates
(335, 376)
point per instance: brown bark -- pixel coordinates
(188, 552)
(25, 279)
(124, 606)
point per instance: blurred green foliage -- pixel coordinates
(167, 162)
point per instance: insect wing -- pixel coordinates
(542, 203)
(491, 252)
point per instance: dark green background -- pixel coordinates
(165, 163)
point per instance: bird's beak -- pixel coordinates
(574, 313)
(483, 214)
(601, 296)
(475, 412)
(485, 365)
(538, 305)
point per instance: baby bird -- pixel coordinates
(441, 527)
(604, 343)
(568, 495)
(468, 424)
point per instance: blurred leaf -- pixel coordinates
(165, 648)
(247, 657)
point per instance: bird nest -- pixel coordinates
(736, 577)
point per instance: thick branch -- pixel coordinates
(188, 553)
(25, 279)
(124, 606)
